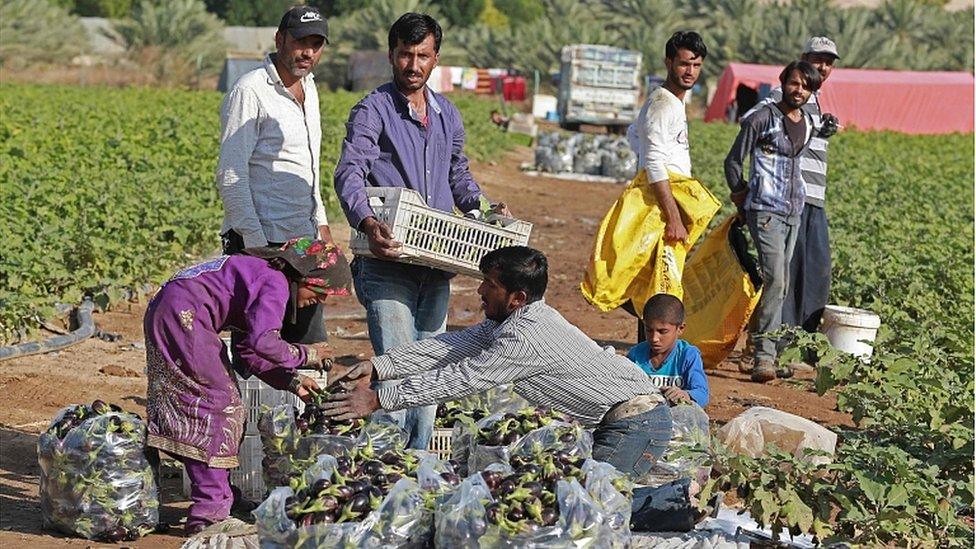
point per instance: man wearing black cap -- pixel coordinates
(268, 173)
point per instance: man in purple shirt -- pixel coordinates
(404, 135)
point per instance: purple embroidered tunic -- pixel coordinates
(194, 407)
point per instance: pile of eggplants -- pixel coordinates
(550, 499)
(291, 447)
(452, 412)
(528, 431)
(95, 479)
(367, 499)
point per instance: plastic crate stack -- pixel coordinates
(257, 396)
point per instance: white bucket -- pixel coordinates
(850, 330)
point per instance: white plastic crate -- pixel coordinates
(434, 238)
(247, 475)
(257, 396)
(440, 443)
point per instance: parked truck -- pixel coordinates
(599, 85)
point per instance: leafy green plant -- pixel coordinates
(901, 244)
(112, 190)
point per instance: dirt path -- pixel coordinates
(565, 214)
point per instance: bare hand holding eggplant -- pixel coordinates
(356, 403)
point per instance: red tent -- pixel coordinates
(904, 101)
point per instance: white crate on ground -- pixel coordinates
(257, 395)
(435, 238)
(247, 475)
(440, 443)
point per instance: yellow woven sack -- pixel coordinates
(630, 261)
(722, 288)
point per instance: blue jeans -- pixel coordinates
(404, 303)
(633, 444)
(809, 287)
(775, 239)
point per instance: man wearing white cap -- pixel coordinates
(809, 277)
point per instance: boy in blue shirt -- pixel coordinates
(673, 364)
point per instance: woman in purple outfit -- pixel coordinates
(193, 404)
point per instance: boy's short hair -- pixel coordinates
(665, 308)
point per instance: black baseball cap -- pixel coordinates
(302, 21)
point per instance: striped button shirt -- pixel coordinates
(813, 165)
(549, 361)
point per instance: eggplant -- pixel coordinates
(515, 514)
(344, 492)
(451, 478)
(492, 479)
(359, 503)
(534, 488)
(373, 467)
(549, 516)
(529, 469)
(358, 485)
(567, 438)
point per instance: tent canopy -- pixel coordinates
(905, 101)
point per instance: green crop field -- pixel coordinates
(105, 191)
(901, 229)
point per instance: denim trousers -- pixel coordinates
(775, 238)
(809, 287)
(633, 444)
(404, 303)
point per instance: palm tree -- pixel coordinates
(176, 38)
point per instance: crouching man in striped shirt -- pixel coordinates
(525, 342)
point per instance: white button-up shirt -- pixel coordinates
(660, 136)
(268, 173)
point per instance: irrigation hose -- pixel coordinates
(86, 329)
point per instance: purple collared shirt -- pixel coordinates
(387, 146)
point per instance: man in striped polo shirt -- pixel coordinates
(525, 342)
(809, 278)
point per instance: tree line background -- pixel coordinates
(175, 37)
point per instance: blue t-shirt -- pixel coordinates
(682, 369)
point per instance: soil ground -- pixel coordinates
(565, 216)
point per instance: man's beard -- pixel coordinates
(794, 103)
(406, 85)
(677, 82)
(292, 65)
